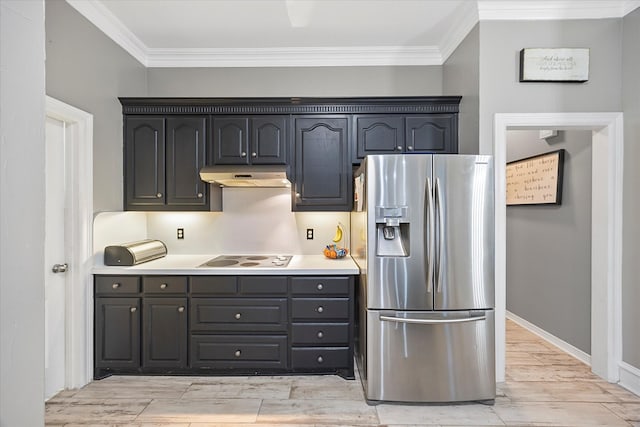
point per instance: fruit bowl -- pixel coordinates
(334, 252)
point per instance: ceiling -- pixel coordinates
(255, 33)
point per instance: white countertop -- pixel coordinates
(188, 265)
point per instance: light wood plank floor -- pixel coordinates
(544, 386)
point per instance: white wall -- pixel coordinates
(22, 183)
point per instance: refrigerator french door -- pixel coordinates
(423, 233)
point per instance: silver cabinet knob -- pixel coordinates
(238, 316)
(254, 154)
(163, 286)
(115, 285)
(320, 334)
(180, 309)
(59, 268)
(320, 286)
(200, 195)
(399, 148)
(243, 154)
(159, 195)
(320, 359)
(320, 309)
(298, 195)
(133, 309)
(237, 353)
(410, 148)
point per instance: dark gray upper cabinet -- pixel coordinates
(249, 140)
(433, 133)
(163, 158)
(379, 134)
(322, 169)
(186, 142)
(428, 133)
(144, 162)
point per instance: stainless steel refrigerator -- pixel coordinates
(422, 234)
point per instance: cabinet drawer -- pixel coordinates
(116, 285)
(237, 351)
(320, 285)
(162, 285)
(318, 334)
(320, 308)
(214, 285)
(262, 285)
(320, 358)
(246, 314)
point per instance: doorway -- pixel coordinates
(606, 229)
(69, 214)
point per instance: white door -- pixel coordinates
(55, 282)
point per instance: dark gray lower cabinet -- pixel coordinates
(165, 332)
(223, 324)
(117, 333)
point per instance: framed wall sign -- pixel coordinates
(554, 65)
(536, 180)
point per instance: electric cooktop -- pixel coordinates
(248, 261)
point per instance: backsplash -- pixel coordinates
(253, 221)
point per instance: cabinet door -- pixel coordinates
(117, 329)
(144, 162)
(433, 133)
(269, 140)
(230, 141)
(323, 171)
(165, 333)
(186, 139)
(379, 135)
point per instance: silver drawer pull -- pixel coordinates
(115, 285)
(254, 154)
(180, 309)
(238, 316)
(200, 195)
(159, 195)
(133, 309)
(243, 154)
(320, 309)
(320, 334)
(399, 148)
(163, 286)
(237, 353)
(320, 286)
(410, 148)
(320, 359)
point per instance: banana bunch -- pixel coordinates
(338, 235)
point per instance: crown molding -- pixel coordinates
(109, 24)
(553, 10)
(295, 57)
(468, 18)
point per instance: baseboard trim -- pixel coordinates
(629, 377)
(552, 339)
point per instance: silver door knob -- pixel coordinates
(180, 309)
(59, 268)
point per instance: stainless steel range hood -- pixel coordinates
(246, 176)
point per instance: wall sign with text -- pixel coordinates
(536, 180)
(554, 65)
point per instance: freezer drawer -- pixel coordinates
(430, 356)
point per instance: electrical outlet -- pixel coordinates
(309, 233)
(180, 233)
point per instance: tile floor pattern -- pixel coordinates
(543, 387)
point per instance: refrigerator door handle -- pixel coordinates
(430, 237)
(432, 321)
(440, 237)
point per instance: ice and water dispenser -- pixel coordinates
(392, 231)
